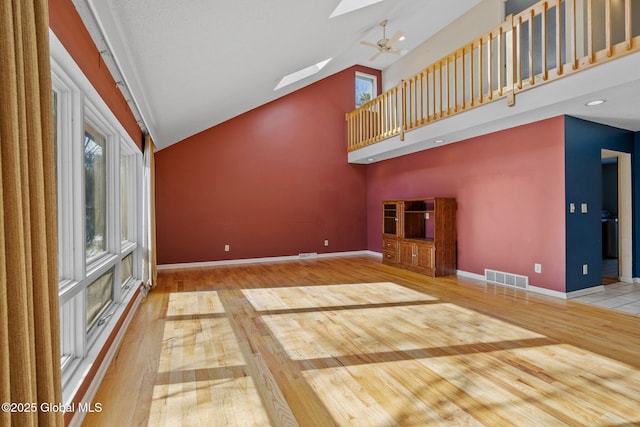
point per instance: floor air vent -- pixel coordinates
(507, 279)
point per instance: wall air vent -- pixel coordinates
(507, 279)
(308, 255)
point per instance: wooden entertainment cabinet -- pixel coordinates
(420, 235)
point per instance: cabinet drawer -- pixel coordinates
(389, 245)
(389, 257)
(389, 251)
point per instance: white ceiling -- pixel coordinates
(191, 65)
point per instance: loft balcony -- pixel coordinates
(548, 60)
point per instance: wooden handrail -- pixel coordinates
(499, 64)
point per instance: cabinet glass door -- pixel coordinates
(390, 219)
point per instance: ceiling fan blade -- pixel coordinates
(374, 57)
(366, 43)
(397, 51)
(397, 36)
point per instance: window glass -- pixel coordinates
(55, 153)
(95, 173)
(127, 268)
(55, 127)
(99, 296)
(365, 88)
(124, 211)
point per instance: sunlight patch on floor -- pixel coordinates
(539, 386)
(525, 387)
(191, 303)
(390, 393)
(322, 334)
(300, 297)
(221, 402)
(199, 344)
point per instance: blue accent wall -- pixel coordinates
(583, 177)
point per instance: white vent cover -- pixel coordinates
(308, 255)
(507, 279)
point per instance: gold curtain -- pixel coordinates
(29, 315)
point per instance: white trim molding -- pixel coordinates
(298, 257)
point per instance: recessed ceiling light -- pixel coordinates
(370, 159)
(346, 6)
(402, 38)
(438, 141)
(299, 75)
(595, 102)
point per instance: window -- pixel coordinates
(366, 88)
(99, 297)
(124, 195)
(127, 269)
(98, 172)
(95, 184)
(54, 98)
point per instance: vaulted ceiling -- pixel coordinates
(191, 65)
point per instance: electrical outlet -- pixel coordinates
(537, 268)
(572, 207)
(583, 208)
(326, 242)
(226, 248)
(585, 269)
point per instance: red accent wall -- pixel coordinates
(271, 182)
(509, 187)
(66, 23)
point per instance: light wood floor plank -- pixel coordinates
(349, 341)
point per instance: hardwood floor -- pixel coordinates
(349, 341)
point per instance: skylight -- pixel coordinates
(347, 6)
(302, 74)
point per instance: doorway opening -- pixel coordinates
(616, 217)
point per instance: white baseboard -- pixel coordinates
(471, 275)
(265, 259)
(582, 292)
(548, 292)
(535, 289)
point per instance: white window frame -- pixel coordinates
(374, 81)
(78, 102)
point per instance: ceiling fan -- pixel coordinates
(385, 45)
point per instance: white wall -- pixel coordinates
(487, 15)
